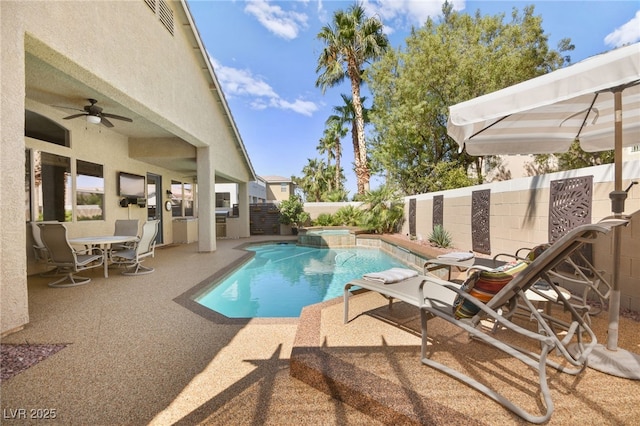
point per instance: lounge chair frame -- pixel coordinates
(435, 298)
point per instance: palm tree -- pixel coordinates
(314, 180)
(353, 40)
(346, 114)
(333, 133)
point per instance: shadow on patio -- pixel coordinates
(137, 356)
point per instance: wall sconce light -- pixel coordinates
(169, 193)
(93, 119)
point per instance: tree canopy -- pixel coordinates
(455, 59)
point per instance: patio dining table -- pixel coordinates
(104, 242)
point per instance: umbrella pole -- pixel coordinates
(614, 301)
(611, 359)
(614, 298)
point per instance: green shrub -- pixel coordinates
(292, 212)
(347, 216)
(324, 219)
(440, 237)
(383, 211)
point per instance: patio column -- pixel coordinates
(243, 209)
(13, 244)
(206, 199)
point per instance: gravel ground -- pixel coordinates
(14, 359)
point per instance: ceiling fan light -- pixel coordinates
(93, 119)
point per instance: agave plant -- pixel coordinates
(440, 237)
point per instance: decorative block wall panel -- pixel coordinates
(264, 219)
(480, 230)
(412, 217)
(569, 205)
(438, 210)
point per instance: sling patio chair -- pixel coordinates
(132, 258)
(125, 227)
(65, 258)
(40, 252)
(460, 306)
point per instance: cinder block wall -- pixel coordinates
(519, 217)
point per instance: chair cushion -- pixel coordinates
(483, 285)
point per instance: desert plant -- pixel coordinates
(324, 219)
(440, 237)
(347, 216)
(292, 212)
(383, 210)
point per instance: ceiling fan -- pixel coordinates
(95, 115)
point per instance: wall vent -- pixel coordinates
(163, 12)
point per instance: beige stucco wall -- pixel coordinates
(274, 192)
(120, 50)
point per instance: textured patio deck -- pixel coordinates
(140, 353)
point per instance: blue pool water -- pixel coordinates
(283, 278)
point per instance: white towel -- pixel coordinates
(392, 275)
(457, 255)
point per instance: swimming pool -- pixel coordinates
(284, 278)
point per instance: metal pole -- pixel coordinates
(614, 301)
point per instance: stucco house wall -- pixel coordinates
(120, 53)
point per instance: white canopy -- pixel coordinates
(546, 114)
(596, 101)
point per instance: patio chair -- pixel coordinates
(125, 227)
(132, 258)
(65, 258)
(438, 298)
(40, 252)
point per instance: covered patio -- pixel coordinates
(139, 353)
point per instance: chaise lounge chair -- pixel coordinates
(442, 299)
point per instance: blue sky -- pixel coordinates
(265, 53)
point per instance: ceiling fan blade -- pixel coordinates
(106, 122)
(74, 116)
(65, 107)
(117, 117)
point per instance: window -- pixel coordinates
(176, 199)
(223, 199)
(52, 187)
(89, 191)
(284, 187)
(187, 190)
(27, 185)
(40, 127)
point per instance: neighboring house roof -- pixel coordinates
(276, 179)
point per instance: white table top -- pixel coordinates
(103, 239)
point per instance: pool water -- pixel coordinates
(284, 278)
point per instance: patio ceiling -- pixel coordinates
(49, 86)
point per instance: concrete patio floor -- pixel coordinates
(139, 352)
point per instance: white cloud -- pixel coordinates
(237, 82)
(404, 13)
(283, 23)
(627, 33)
